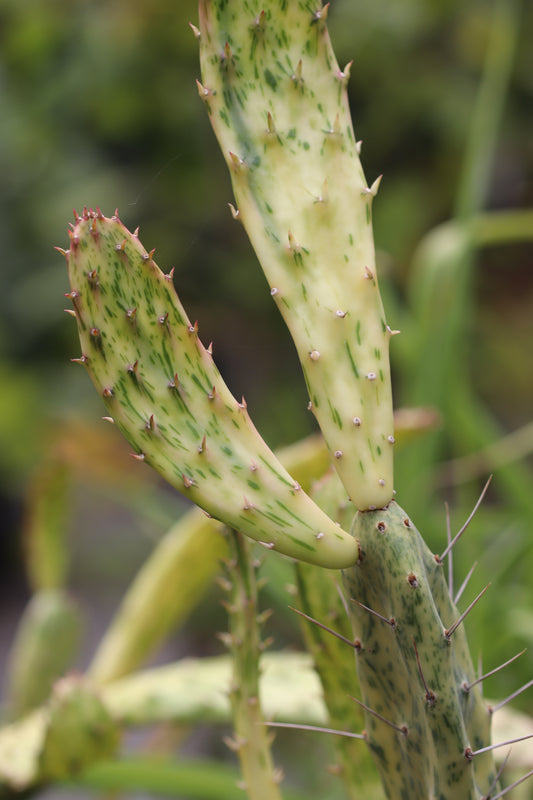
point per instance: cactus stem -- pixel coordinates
(315, 729)
(440, 559)
(195, 30)
(389, 620)
(430, 696)
(508, 788)
(403, 729)
(464, 583)
(468, 686)
(356, 644)
(493, 709)
(448, 633)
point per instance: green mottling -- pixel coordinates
(352, 362)
(287, 510)
(270, 79)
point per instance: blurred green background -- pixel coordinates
(99, 107)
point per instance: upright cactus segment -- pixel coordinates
(277, 101)
(165, 394)
(251, 739)
(414, 667)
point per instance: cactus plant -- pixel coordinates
(277, 101)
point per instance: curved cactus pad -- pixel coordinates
(165, 394)
(278, 104)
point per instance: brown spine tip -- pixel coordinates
(108, 392)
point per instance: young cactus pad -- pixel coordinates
(165, 394)
(277, 102)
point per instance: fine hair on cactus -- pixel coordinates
(388, 676)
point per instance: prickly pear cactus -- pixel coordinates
(164, 392)
(277, 102)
